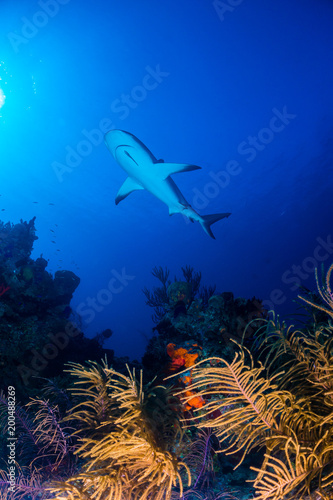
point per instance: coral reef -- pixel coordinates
(211, 325)
(228, 393)
(169, 296)
(38, 333)
(185, 357)
(283, 406)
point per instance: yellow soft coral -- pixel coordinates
(250, 408)
(131, 438)
(325, 292)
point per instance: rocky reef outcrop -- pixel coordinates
(38, 331)
(204, 317)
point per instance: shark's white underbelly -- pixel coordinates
(166, 191)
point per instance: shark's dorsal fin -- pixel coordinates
(127, 188)
(163, 170)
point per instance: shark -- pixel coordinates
(146, 172)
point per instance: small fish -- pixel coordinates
(52, 241)
(35, 202)
(51, 230)
(51, 204)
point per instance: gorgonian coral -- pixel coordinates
(130, 438)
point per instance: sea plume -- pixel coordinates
(254, 410)
(43, 449)
(130, 438)
(325, 292)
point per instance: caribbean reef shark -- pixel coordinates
(146, 172)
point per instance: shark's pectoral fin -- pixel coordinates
(127, 188)
(163, 170)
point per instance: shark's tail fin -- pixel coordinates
(207, 220)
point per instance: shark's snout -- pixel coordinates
(113, 139)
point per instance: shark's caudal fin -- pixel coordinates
(207, 220)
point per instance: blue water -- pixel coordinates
(196, 82)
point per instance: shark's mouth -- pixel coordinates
(123, 150)
(123, 146)
(127, 153)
